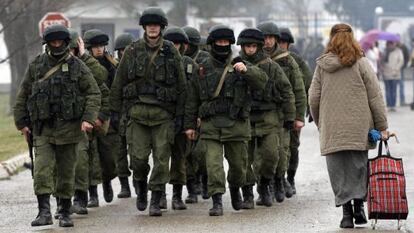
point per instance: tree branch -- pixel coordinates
(8, 24)
(3, 60)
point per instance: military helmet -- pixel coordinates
(123, 40)
(74, 35)
(250, 36)
(193, 34)
(286, 35)
(95, 37)
(220, 32)
(153, 15)
(56, 32)
(269, 28)
(176, 35)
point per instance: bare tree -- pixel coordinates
(19, 20)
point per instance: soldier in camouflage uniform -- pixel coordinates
(88, 154)
(178, 170)
(290, 67)
(151, 81)
(196, 166)
(108, 145)
(57, 103)
(223, 107)
(264, 118)
(286, 39)
(121, 42)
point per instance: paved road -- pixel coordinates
(312, 210)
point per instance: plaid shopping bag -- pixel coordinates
(387, 198)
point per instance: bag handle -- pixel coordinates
(386, 148)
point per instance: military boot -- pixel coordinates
(107, 191)
(192, 197)
(204, 184)
(279, 189)
(236, 200)
(288, 188)
(58, 206)
(265, 198)
(125, 190)
(79, 203)
(217, 209)
(359, 213)
(64, 218)
(93, 196)
(248, 197)
(154, 209)
(177, 201)
(141, 189)
(44, 217)
(163, 201)
(347, 218)
(291, 180)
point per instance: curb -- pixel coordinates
(11, 166)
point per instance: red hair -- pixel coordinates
(343, 44)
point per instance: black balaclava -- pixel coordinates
(220, 53)
(58, 52)
(191, 50)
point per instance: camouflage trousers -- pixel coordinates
(263, 157)
(142, 140)
(178, 169)
(294, 150)
(108, 150)
(88, 169)
(54, 168)
(236, 154)
(122, 162)
(284, 152)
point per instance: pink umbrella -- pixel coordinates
(374, 35)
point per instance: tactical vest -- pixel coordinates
(234, 98)
(189, 67)
(57, 97)
(267, 99)
(155, 84)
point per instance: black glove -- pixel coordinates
(179, 124)
(289, 125)
(237, 60)
(310, 118)
(114, 121)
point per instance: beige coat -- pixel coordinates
(392, 68)
(345, 102)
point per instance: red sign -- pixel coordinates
(52, 18)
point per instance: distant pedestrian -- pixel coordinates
(393, 61)
(406, 58)
(346, 102)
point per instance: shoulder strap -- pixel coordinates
(282, 55)
(152, 58)
(266, 60)
(221, 82)
(196, 56)
(54, 69)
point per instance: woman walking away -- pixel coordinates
(346, 102)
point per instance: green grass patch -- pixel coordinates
(12, 143)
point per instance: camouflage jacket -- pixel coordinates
(292, 71)
(55, 107)
(150, 93)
